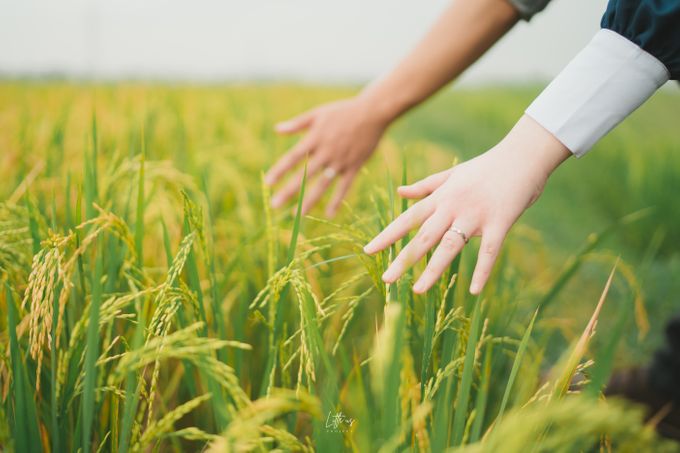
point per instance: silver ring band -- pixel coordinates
(460, 233)
(329, 173)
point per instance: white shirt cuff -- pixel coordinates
(601, 86)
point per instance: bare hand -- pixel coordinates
(340, 137)
(481, 197)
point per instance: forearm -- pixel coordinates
(466, 30)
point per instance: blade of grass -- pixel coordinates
(139, 218)
(194, 280)
(32, 224)
(90, 182)
(406, 296)
(25, 427)
(428, 336)
(515, 366)
(279, 306)
(181, 315)
(218, 319)
(324, 439)
(574, 357)
(468, 371)
(392, 385)
(92, 352)
(443, 412)
(604, 362)
(132, 387)
(482, 395)
(54, 403)
(220, 414)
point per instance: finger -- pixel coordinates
(315, 192)
(449, 247)
(492, 240)
(289, 160)
(428, 235)
(340, 191)
(408, 220)
(291, 188)
(424, 187)
(296, 124)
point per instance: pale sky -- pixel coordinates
(319, 41)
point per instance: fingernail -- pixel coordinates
(419, 287)
(387, 276)
(474, 288)
(276, 202)
(283, 126)
(368, 248)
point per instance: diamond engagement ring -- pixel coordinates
(329, 173)
(459, 233)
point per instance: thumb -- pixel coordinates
(425, 186)
(296, 124)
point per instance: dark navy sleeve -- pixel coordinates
(527, 8)
(654, 25)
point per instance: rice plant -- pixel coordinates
(152, 301)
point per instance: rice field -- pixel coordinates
(152, 301)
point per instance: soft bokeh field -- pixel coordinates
(151, 301)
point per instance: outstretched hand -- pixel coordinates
(481, 197)
(340, 137)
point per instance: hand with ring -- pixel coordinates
(339, 138)
(481, 197)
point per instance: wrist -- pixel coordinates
(531, 143)
(381, 105)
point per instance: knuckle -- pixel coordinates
(490, 249)
(306, 145)
(449, 241)
(424, 237)
(408, 218)
(406, 257)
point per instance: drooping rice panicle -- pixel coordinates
(154, 300)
